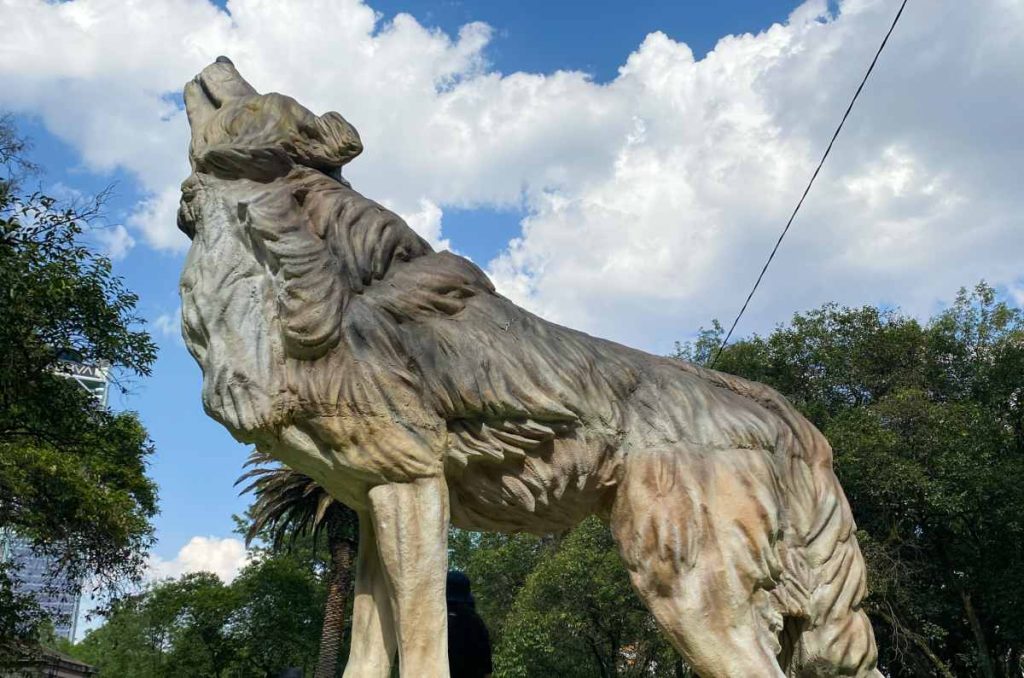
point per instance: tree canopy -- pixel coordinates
(265, 621)
(72, 473)
(562, 607)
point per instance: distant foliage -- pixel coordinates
(266, 620)
(562, 606)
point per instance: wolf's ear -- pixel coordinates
(332, 143)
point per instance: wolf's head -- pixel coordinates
(281, 249)
(242, 300)
(237, 132)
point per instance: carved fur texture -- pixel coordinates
(336, 339)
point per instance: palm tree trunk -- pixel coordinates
(338, 586)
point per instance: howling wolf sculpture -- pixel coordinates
(334, 338)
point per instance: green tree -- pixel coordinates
(266, 620)
(130, 643)
(72, 473)
(289, 504)
(498, 566)
(201, 610)
(927, 425)
(577, 616)
(175, 628)
(279, 619)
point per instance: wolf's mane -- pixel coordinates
(327, 244)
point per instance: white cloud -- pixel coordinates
(225, 557)
(155, 216)
(426, 221)
(652, 200)
(168, 325)
(115, 241)
(1017, 293)
(916, 200)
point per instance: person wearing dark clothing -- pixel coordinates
(469, 644)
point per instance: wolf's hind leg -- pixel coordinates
(696, 530)
(836, 638)
(841, 646)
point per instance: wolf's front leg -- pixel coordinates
(373, 628)
(410, 522)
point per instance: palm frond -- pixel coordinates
(286, 503)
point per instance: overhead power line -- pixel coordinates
(810, 183)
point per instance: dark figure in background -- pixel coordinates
(469, 644)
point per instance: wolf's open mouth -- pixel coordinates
(187, 217)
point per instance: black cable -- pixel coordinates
(810, 183)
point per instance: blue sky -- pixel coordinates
(634, 194)
(539, 36)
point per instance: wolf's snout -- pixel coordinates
(216, 85)
(237, 132)
(221, 82)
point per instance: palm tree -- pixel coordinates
(290, 504)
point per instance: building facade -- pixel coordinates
(34, 576)
(35, 573)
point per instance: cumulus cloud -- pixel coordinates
(914, 202)
(115, 241)
(225, 557)
(427, 222)
(168, 325)
(105, 76)
(651, 200)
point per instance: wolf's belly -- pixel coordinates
(548, 491)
